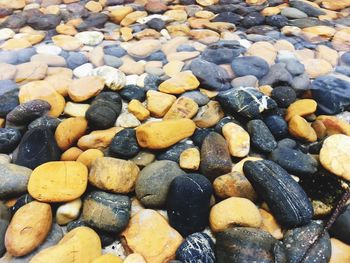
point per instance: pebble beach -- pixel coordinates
(174, 131)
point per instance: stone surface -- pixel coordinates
(113, 175)
(68, 212)
(124, 144)
(9, 139)
(72, 247)
(58, 181)
(14, 180)
(261, 137)
(105, 211)
(153, 182)
(160, 135)
(234, 211)
(288, 202)
(85, 88)
(28, 228)
(156, 243)
(215, 156)
(188, 203)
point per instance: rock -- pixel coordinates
(234, 211)
(210, 75)
(162, 238)
(197, 247)
(3, 226)
(30, 71)
(283, 95)
(270, 225)
(277, 126)
(114, 78)
(124, 144)
(295, 162)
(105, 211)
(9, 139)
(159, 103)
(37, 146)
(180, 83)
(188, 203)
(237, 138)
(250, 65)
(9, 71)
(301, 107)
(317, 67)
(261, 137)
(306, 8)
(233, 184)
(8, 101)
(301, 129)
(160, 135)
(114, 175)
(104, 110)
(293, 13)
(87, 157)
(153, 182)
(43, 90)
(277, 74)
(333, 155)
(209, 115)
(98, 139)
(85, 88)
(53, 237)
(134, 258)
(14, 180)
(200, 98)
(331, 94)
(340, 251)
(67, 43)
(69, 131)
(118, 14)
(328, 54)
(215, 156)
(127, 120)
(295, 67)
(28, 228)
(247, 102)
(49, 59)
(68, 212)
(91, 38)
(72, 247)
(264, 50)
(45, 122)
(340, 228)
(143, 158)
(297, 240)
(144, 48)
(27, 112)
(222, 52)
(76, 109)
(75, 59)
(15, 44)
(71, 154)
(182, 108)
(288, 202)
(239, 244)
(138, 110)
(190, 159)
(133, 92)
(60, 181)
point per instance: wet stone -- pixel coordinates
(260, 135)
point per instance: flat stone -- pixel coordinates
(14, 180)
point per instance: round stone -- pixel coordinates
(250, 65)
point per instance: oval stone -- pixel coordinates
(286, 199)
(58, 181)
(28, 228)
(188, 203)
(105, 211)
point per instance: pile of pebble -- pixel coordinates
(174, 131)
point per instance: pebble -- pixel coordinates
(14, 180)
(85, 88)
(261, 137)
(153, 182)
(237, 244)
(28, 153)
(233, 184)
(339, 229)
(124, 144)
(159, 234)
(234, 211)
(215, 156)
(59, 181)
(333, 155)
(250, 65)
(296, 240)
(339, 251)
(160, 135)
(105, 211)
(114, 78)
(9, 139)
(74, 243)
(197, 247)
(288, 210)
(34, 216)
(188, 203)
(113, 175)
(68, 212)
(237, 138)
